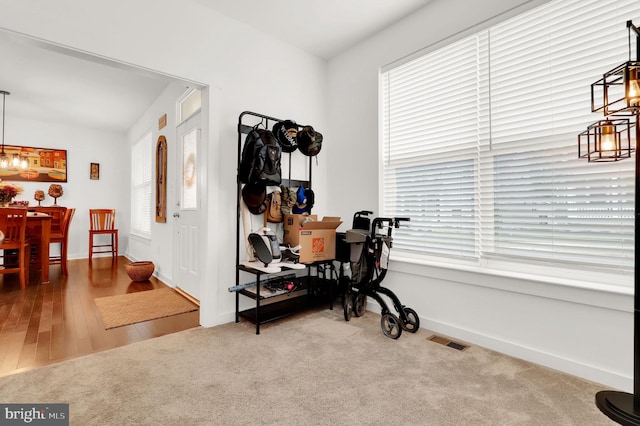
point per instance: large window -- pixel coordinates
(141, 205)
(479, 142)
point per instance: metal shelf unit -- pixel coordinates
(267, 307)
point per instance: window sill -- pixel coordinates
(608, 290)
(144, 239)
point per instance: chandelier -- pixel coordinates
(17, 160)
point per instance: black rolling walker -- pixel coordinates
(369, 248)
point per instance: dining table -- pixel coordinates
(39, 232)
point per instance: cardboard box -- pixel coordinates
(317, 238)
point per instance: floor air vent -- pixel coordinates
(447, 342)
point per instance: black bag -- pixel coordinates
(260, 160)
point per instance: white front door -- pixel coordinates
(187, 212)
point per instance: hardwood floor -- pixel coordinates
(47, 323)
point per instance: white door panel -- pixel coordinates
(187, 215)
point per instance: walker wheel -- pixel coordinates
(412, 323)
(390, 325)
(347, 304)
(360, 304)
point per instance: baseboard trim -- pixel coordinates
(584, 371)
(565, 365)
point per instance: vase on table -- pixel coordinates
(38, 196)
(55, 191)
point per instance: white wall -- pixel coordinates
(559, 323)
(158, 248)
(84, 146)
(244, 70)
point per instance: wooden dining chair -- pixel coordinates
(14, 247)
(56, 233)
(103, 223)
(57, 214)
(62, 238)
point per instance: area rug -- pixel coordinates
(131, 308)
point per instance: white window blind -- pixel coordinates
(431, 137)
(480, 141)
(141, 204)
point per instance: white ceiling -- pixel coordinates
(50, 86)
(48, 83)
(323, 28)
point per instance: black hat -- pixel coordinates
(254, 196)
(286, 132)
(309, 141)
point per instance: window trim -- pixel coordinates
(533, 265)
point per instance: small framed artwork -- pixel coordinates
(95, 171)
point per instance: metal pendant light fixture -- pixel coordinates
(633, 86)
(16, 160)
(606, 140)
(610, 140)
(4, 159)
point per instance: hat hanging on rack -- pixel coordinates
(286, 133)
(254, 196)
(309, 141)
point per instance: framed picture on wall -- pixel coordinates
(35, 164)
(94, 172)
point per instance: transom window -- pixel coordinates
(189, 104)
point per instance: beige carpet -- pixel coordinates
(131, 308)
(313, 369)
